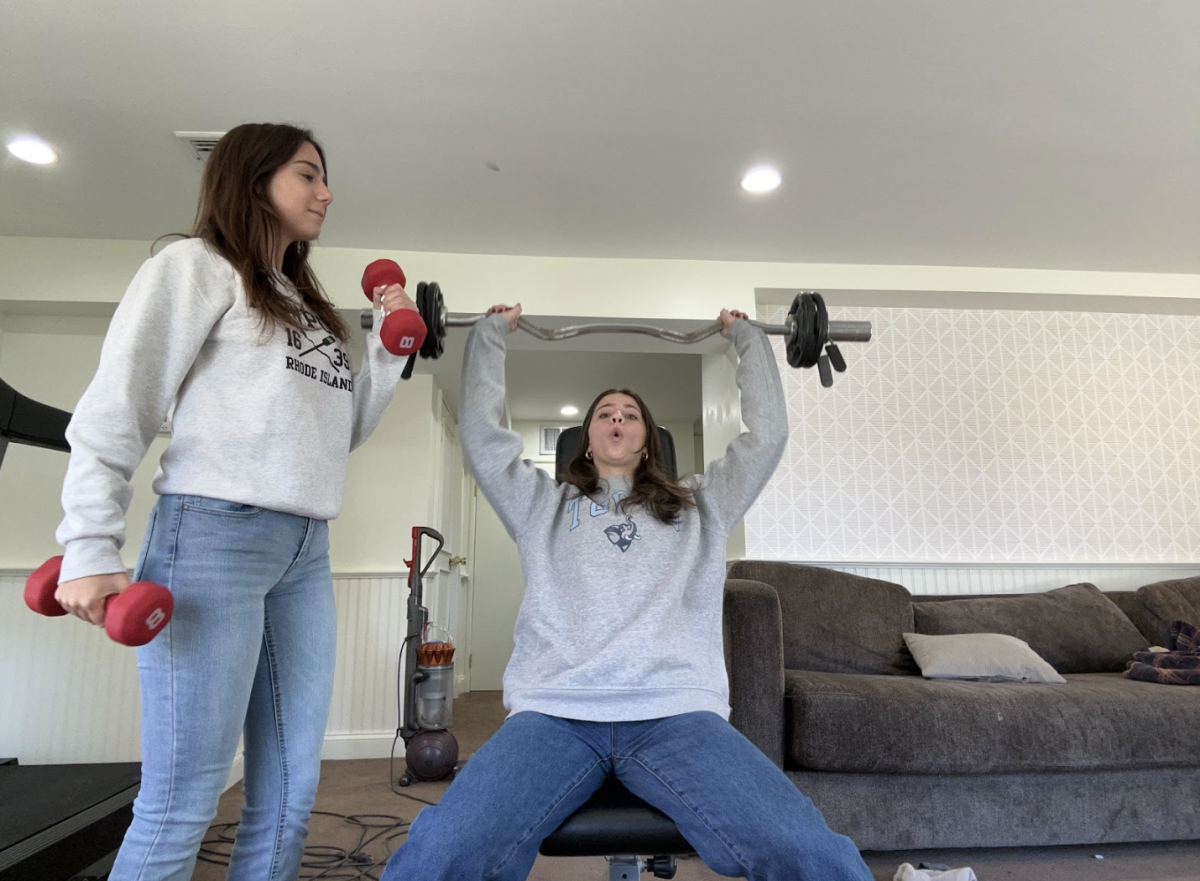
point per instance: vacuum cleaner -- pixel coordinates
(430, 750)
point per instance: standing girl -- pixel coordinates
(232, 327)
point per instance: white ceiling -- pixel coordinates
(1016, 134)
(1060, 135)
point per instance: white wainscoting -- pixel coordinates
(68, 694)
(371, 626)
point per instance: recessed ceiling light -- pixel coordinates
(569, 410)
(761, 179)
(32, 150)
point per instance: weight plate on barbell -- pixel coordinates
(420, 299)
(437, 322)
(808, 328)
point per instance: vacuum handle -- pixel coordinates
(417, 533)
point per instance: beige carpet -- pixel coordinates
(360, 788)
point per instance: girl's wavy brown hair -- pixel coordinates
(653, 488)
(236, 218)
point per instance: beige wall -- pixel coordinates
(55, 299)
(722, 421)
(56, 294)
(93, 271)
(52, 359)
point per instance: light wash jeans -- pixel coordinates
(739, 811)
(251, 643)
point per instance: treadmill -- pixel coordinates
(57, 822)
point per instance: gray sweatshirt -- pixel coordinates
(621, 618)
(261, 419)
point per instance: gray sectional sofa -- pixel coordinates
(822, 681)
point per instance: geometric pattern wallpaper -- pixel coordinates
(967, 436)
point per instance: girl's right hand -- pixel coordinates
(510, 315)
(391, 297)
(84, 597)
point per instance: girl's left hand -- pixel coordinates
(729, 316)
(391, 298)
(510, 314)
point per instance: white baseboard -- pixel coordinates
(236, 772)
(361, 745)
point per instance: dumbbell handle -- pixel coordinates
(403, 331)
(132, 617)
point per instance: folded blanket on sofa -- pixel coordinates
(1179, 665)
(1169, 660)
(1184, 637)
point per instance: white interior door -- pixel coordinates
(497, 590)
(442, 592)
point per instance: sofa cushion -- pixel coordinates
(1167, 601)
(1074, 628)
(834, 621)
(990, 657)
(910, 725)
(1127, 601)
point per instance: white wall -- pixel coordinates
(49, 347)
(95, 271)
(67, 694)
(722, 420)
(52, 358)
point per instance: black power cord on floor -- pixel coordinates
(321, 861)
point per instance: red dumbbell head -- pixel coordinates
(136, 615)
(40, 588)
(402, 332)
(381, 272)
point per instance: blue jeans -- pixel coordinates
(251, 643)
(739, 811)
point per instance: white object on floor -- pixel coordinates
(906, 872)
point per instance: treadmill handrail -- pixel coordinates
(25, 421)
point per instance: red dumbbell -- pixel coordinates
(132, 617)
(403, 331)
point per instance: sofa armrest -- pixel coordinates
(753, 629)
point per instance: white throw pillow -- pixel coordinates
(989, 657)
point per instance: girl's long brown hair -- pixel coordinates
(235, 216)
(653, 489)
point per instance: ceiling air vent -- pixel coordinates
(202, 143)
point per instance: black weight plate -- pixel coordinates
(436, 322)
(423, 310)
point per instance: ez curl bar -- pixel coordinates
(807, 329)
